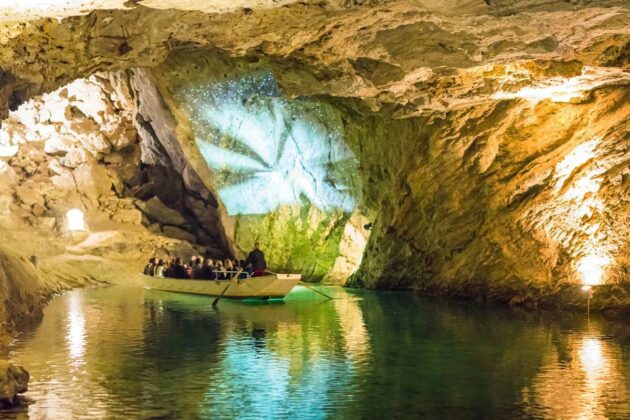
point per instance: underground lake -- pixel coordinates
(184, 182)
(128, 352)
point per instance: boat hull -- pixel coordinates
(272, 286)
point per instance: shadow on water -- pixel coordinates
(121, 352)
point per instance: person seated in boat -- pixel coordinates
(190, 267)
(206, 271)
(247, 268)
(177, 270)
(257, 259)
(229, 268)
(236, 267)
(168, 268)
(197, 267)
(219, 270)
(148, 269)
(159, 269)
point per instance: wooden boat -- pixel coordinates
(271, 286)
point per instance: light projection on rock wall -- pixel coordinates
(574, 217)
(268, 151)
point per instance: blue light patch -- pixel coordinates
(268, 151)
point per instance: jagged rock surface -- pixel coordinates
(13, 381)
(490, 137)
(77, 147)
(405, 55)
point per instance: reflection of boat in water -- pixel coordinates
(266, 313)
(271, 286)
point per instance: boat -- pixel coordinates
(268, 286)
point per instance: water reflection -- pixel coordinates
(128, 352)
(589, 383)
(76, 330)
(288, 360)
(355, 335)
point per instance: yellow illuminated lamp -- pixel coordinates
(591, 268)
(75, 220)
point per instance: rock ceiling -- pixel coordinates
(405, 56)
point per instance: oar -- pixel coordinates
(315, 290)
(311, 288)
(216, 301)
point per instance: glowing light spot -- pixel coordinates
(577, 157)
(576, 221)
(591, 268)
(556, 89)
(75, 220)
(560, 89)
(8, 150)
(591, 355)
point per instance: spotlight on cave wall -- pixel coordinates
(268, 151)
(557, 88)
(75, 220)
(591, 268)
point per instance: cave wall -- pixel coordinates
(167, 171)
(280, 167)
(513, 200)
(486, 156)
(79, 147)
(90, 145)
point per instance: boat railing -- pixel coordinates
(221, 275)
(228, 275)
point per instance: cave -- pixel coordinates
(453, 170)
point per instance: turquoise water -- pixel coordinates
(124, 352)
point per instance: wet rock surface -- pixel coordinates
(13, 381)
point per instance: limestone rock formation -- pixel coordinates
(351, 247)
(159, 212)
(511, 199)
(76, 147)
(13, 381)
(476, 148)
(81, 120)
(408, 55)
(175, 232)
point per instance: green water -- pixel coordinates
(124, 352)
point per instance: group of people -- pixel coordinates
(207, 269)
